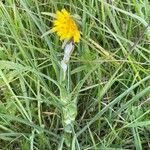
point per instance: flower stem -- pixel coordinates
(69, 110)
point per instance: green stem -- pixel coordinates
(69, 110)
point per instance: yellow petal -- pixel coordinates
(65, 26)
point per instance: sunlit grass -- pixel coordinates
(109, 68)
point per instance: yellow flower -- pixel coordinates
(65, 26)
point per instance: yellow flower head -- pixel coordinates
(65, 26)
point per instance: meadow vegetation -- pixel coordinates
(109, 75)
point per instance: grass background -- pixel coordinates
(110, 68)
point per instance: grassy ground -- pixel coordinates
(112, 61)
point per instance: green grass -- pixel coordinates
(109, 75)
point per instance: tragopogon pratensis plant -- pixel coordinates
(66, 28)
